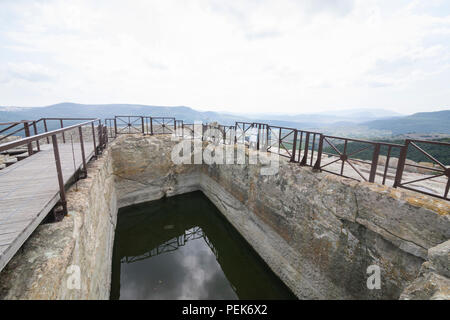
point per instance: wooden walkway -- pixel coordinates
(29, 190)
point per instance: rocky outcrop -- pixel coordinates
(433, 281)
(144, 171)
(318, 232)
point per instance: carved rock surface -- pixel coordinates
(318, 232)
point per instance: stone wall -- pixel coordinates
(320, 232)
(316, 231)
(433, 281)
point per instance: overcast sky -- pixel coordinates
(223, 55)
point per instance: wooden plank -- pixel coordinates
(13, 226)
(29, 190)
(24, 215)
(3, 249)
(7, 238)
(9, 252)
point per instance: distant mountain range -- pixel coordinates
(356, 122)
(351, 115)
(73, 110)
(422, 122)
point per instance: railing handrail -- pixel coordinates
(15, 122)
(441, 143)
(290, 144)
(33, 123)
(67, 119)
(161, 117)
(364, 141)
(17, 143)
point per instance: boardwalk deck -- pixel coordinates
(29, 190)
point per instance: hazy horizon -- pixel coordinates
(284, 56)
(222, 111)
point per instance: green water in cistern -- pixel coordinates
(182, 247)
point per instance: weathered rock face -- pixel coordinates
(319, 233)
(434, 278)
(331, 229)
(144, 170)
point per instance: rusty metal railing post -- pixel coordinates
(401, 164)
(62, 126)
(305, 155)
(294, 146)
(100, 136)
(83, 155)
(103, 144)
(374, 165)
(35, 133)
(93, 139)
(105, 135)
(312, 149)
(62, 191)
(319, 154)
(46, 130)
(257, 137)
(386, 165)
(344, 156)
(279, 140)
(447, 187)
(143, 127)
(300, 142)
(151, 125)
(26, 128)
(100, 132)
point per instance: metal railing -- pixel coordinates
(322, 152)
(23, 128)
(163, 125)
(344, 156)
(128, 124)
(11, 129)
(440, 171)
(309, 148)
(110, 124)
(99, 140)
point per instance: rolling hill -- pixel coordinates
(422, 122)
(73, 110)
(343, 123)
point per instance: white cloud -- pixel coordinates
(28, 72)
(284, 55)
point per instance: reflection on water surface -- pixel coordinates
(183, 248)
